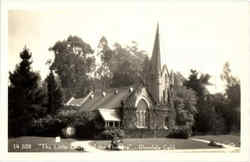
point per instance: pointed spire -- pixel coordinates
(156, 55)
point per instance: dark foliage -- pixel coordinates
(72, 63)
(54, 94)
(86, 124)
(112, 133)
(180, 132)
(25, 97)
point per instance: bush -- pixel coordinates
(81, 124)
(68, 132)
(180, 132)
(112, 133)
(47, 126)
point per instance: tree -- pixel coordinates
(232, 87)
(127, 66)
(25, 97)
(232, 94)
(103, 75)
(184, 102)
(73, 62)
(54, 93)
(198, 83)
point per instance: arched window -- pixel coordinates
(141, 114)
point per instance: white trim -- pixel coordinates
(142, 98)
(68, 103)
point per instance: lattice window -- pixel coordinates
(141, 114)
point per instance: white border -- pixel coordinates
(143, 155)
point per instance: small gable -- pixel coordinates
(140, 93)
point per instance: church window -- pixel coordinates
(141, 114)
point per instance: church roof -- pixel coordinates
(156, 54)
(109, 114)
(110, 99)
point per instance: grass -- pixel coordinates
(225, 139)
(154, 143)
(39, 144)
(48, 144)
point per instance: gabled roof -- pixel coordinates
(110, 100)
(109, 114)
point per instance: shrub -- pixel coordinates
(68, 132)
(46, 126)
(81, 124)
(112, 133)
(180, 132)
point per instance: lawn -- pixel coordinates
(39, 144)
(48, 144)
(155, 144)
(225, 139)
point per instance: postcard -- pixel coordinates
(151, 80)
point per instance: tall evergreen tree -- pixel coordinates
(55, 97)
(25, 97)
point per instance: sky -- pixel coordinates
(194, 35)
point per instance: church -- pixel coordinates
(142, 111)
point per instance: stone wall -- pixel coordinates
(145, 133)
(155, 118)
(128, 118)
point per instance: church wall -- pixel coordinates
(155, 122)
(145, 133)
(129, 118)
(157, 118)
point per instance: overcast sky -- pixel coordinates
(199, 35)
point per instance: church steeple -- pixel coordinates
(155, 84)
(156, 54)
(158, 82)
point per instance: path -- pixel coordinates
(86, 145)
(226, 148)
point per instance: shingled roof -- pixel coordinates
(110, 99)
(109, 114)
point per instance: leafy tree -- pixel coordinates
(232, 87)
(146, 70)
(232, 94)
(103, 75)
(198, 84)
(184, 102)
(127, 66)
(218, 123)
(25, 97)
(54, 93)
(205, 113)
(73, 63)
